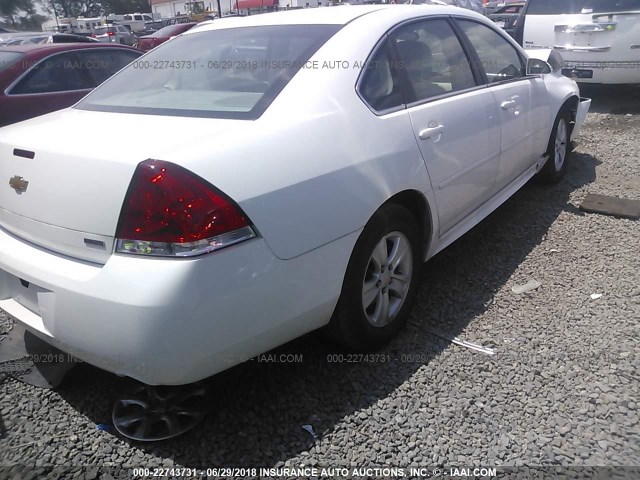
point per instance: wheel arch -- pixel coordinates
(416, 203)
(571, 104)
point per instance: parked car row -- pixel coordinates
(119, 34)
(599, 42)
(26, 38)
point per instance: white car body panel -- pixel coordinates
(612, 55)
(461, 178)
(308, 181)
(132, 330)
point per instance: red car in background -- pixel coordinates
(41, 78)
(148, 42)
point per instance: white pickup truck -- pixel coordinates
(136, 22)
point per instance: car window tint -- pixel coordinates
(63, 72)
(432, 58)
(100, 64)
(379, 86)
(498, 57)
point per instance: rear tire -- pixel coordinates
(380, 283)
(558, 149)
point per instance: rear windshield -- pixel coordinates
(227, 73)
(558, 7)
(8, 59)
(103, 30)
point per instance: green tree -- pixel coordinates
(13, 10)
(76, 8)
(31, 22)
(120, 7)
(93, 8)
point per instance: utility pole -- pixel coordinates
(55, 14)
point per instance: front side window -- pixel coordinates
(226, 73)
(432, 59)
(59, 73)
(556, 7)
(500, 60)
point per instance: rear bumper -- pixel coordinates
(581, 115)
(170, 321)
(604, 72)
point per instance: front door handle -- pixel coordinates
(509, 102)
(431, 132)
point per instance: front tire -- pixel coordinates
(558, 149)
(380, 283)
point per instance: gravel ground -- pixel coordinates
(562, 388)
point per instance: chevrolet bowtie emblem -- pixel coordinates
(19, 184)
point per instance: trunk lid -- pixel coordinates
(64, 176)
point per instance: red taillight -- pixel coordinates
(111, 34)
(93, 35)
(169, 211)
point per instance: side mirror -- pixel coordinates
(535, 66)
(555, 60)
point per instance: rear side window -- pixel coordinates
(558, 7)
(432, 59)
(59, 73)
(226, 73)
(500, 60)
(379, 86)
(9, 59)
(100, 64)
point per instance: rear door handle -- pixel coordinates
(431, 132)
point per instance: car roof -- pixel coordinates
(325, 15)
(59, 47)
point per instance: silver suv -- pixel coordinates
(114, 34)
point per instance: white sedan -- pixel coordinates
(295, 170)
